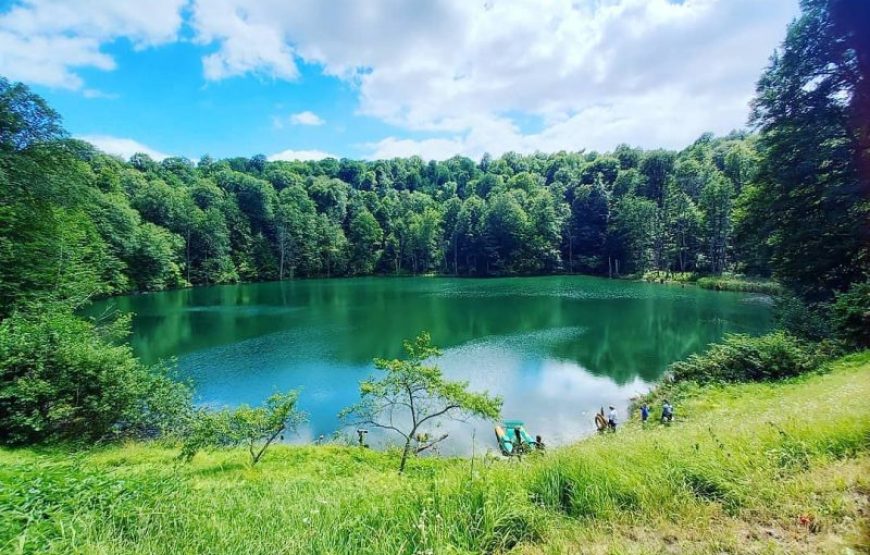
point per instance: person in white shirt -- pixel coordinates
(667, 411)
(612, 417)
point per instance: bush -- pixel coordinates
(62, 378)
(256, 428)
(743, 358)
(850, 316)
(806, 321)
(732, 283)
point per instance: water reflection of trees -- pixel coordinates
(629, 329)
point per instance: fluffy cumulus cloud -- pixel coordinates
(46, 41)
(301, 155)
(123, 147)
(306, 118)
(464, 76)
(592, 73)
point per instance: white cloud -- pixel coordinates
(467, 77)
(306, 118)
(96, 93)
(45, 41)
(301, 155)
(595, 72)
(123, 147)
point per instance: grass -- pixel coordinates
(748, 468)
(658, 276)
(742, 284)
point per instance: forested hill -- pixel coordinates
(147, 225)
(791, 200)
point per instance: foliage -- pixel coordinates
(814, 177)
(417, 394)
(77, 223)
(735, 460)
(62, 378)
(743, 358)
(850, 315)
(256, 428)
(808, 321)
(25, 118)
(736, 283)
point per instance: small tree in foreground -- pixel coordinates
(412, 396)
(255, 427)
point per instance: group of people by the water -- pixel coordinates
(667, 416)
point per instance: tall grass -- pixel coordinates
(745, 285)
(735, 450)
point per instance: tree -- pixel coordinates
(684, 230)
(587, 228)
(850, 315)
(256, 428)
(505, 229)
(63, 379)
(716, 201)
(656, 166)
(416, 393)
(365, 240)
(631, 233)
(25, 118)
(152, 260)
(811, 109)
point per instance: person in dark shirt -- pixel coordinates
(644, 413)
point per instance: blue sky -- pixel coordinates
(383, 78)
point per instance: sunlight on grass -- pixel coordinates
(764, 453)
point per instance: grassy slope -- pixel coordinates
(748, 468)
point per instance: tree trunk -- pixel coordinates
(455, 258)
(187, 254)
(570, 254)
(405, 454)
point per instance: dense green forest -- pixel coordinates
(145, 225)
(789, 200)
(768, 451)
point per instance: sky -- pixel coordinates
(372, 79)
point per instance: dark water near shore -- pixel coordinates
(556, 348)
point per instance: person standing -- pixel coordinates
(612, 418)
(644, 413)
(667, 411)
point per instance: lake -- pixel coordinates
(555, 348)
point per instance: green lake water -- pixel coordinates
(555, 348)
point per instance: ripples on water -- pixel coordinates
(555, 348)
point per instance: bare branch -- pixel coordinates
(430, 444)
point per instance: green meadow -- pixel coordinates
(778, 467)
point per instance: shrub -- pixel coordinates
(806, 321)
(850, 316)
(743, 358)
(254, 427)
(726, 283)
(62, 378)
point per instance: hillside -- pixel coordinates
(757, 468)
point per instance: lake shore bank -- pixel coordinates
(779, 466)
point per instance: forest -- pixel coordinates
(143, 225)
(788, 200)
(103, 452)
